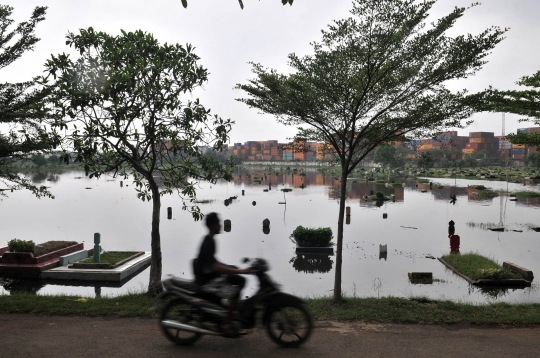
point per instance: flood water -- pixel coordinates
(416, 226)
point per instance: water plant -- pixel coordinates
(310, 237)
(17, 245)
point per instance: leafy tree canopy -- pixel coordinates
(387, 156)
(524, 102)
(374, 77)
(120, 105)
(22, 105)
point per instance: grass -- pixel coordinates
(109, 257)
(479, 267)
(527, 194)
(478, 187)
(385, 310)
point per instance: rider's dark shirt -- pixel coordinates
(207, 260)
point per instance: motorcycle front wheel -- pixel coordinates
(289, 325)
(178, 311)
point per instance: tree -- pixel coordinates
(387, 156)
(526, 103)
(373, 78)
(121, 100)
(241, 3)
(425, 160)
(22, 105)
(39, 160)
(533, 160)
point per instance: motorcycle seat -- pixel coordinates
(189, 285)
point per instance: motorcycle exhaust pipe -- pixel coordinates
(186, 327)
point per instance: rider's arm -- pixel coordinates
(230, 269)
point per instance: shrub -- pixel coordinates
(308, 237)
(379, 195)
(17, 245)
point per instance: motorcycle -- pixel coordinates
(189, 312)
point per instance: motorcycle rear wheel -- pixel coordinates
(289, 325)
(177, 310)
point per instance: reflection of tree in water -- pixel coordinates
(312, 263)
(39, 177)
(22, 286)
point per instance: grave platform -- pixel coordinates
(117, 274)
(27, 265)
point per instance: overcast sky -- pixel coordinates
(227, 38)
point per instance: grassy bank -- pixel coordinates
(386, 309)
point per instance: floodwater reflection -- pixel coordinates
(312, 263)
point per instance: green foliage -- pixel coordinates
(375, 77)
(478, 187)
(533, 159)
(384, 309)
(527, 194)
(388, 157)
(39, 160)
(22, 105)
(478, 267)
(379, 195)
(524, 102)
(121, 104)
(110, 257)
(16, 245)
(425, 160)
(308, 237)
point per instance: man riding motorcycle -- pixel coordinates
(216, 277)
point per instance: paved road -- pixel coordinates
(57, 336)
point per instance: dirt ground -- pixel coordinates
(26, 335)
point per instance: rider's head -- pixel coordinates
(213, 223)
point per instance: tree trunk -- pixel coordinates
(342, 197)
(154, 286)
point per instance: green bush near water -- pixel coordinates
(17, 245)
(309, 237)
(527, 194)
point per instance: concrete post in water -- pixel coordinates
(121, 183)
(242, 191)
(97, 248)
(253, 203)
(269, 186)
(266, 223)
(384, 215)
(348, 211)
(169, 213)
(347, 220)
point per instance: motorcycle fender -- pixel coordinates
(278, 300)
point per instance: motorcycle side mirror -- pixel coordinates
(245, 260)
